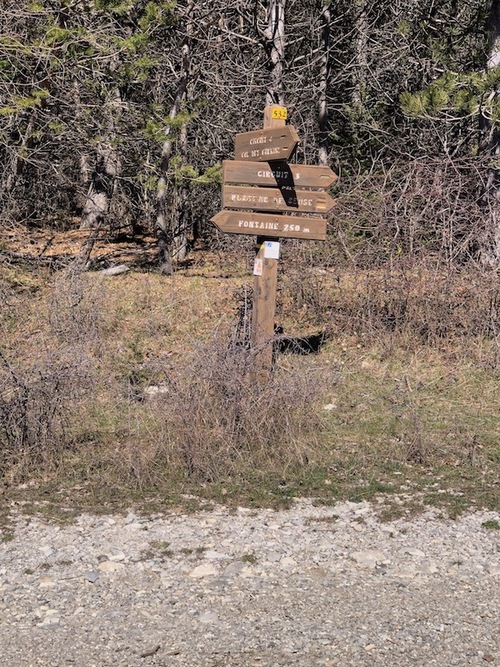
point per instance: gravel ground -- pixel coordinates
(305, 587)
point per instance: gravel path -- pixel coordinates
(307, 587)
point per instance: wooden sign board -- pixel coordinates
(262, 224)
(278, 174)
(276, 199)
(276, 143)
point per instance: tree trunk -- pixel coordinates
(323, 120)
(361, 27)
(18, 159)
(275, 93)
(491, 146)
(106, 171)
(181, 222)
(171, 230)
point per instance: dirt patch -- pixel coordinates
(38, 243)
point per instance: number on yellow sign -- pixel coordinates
(279, 112)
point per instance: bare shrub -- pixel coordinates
(75, 311)
(212, 421)
(420, 301)
(36, 405)
(412, 209)
(433, 305)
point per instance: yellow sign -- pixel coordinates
(279, 112)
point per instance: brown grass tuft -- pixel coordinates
(212, 421)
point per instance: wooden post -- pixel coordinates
(264, 289)
(262, 160)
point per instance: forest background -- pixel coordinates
(115, 116)
(120, 113)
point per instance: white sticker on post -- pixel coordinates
(257, 267)
(271, 250)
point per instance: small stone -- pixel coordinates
(370, 558)
(318, 572)
(115, 270)
(92, 577)
(150, 651)
(247, 572)
(244, 510)
(51, 617)
(488, 657)
(220, 583)
(215, 555)
(428, 568)
(46, 582)
(47, 551)
(51, 620)
(234, 568)
(109, 566)
(274, 557)
(155, 389)
(117, 556)
(208, 617)
(414, 552)
(41, 611)
(204, 570)
(288, 562)
(407, 570)
(370, 647)
(136, 525)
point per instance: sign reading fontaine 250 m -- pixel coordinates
(287, 226)
(260, 180)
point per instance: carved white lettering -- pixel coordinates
(258, 224)
(291, 228)
(270, 151)
(249, 198)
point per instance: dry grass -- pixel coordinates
(211, 422)
(411, 370)
(455, 310)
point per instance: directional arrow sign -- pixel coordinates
(276, 199)
(262, 224)
(278, 173)
(276, 143)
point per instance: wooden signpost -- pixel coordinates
(278, 174)
(276, 199)
(258, 181)
(274, 143)
(236, 222)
